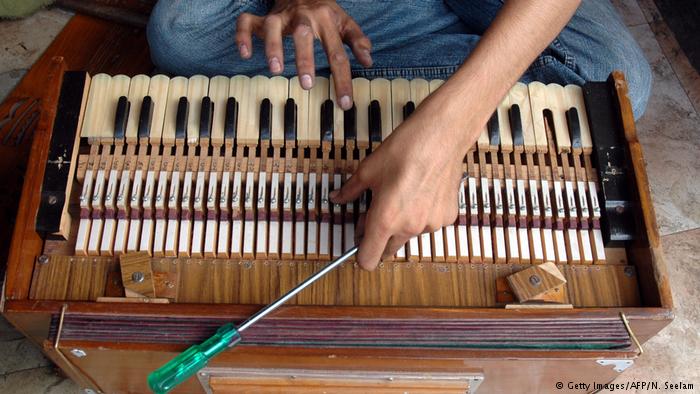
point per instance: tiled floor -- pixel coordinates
(669, 133)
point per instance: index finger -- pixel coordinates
(340, 65)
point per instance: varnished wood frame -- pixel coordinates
(32, 317)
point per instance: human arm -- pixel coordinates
(415, 173)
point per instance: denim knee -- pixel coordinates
(170, 49)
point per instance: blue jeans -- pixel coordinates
(421, 39)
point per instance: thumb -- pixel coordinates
(350, 191)
(374, 241)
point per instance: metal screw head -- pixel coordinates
(80, 353)
(535, 280)
(52, 200)
(629, 271)
(137, 277)
(43, 259)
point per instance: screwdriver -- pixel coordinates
(196, 357)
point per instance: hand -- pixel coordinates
(304, 20)
(414, 177)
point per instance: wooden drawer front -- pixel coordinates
(234, 380)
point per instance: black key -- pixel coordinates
(516, 125)
(290, 120)
(146, 117)
(231, 120)
(375, 122)
(494, 129)
(265, 120)
(327, 126)
(574, 128)
(408, 109)
(121, 117)
(206, 116)
(350, 124)
(183, 113)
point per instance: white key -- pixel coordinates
(337, 221)
(513, 251)
(361, 96)
(519, 95)
(538, 102)
(274, 240)
(177, 88)
(317, 96)
(81, 242)
(556, 102)
(537, 247)
(425, 247)
(200, 194)
(147, 226)
(574, 255)
(123, 222)
(451, 242)
(212, 221)
(486, 226)
(186, 220)
(249, 223)
(95, 124)
(97, 220)
(223, 243)
(158, 90)
(559, 211)
(312, 225)
(171, 235)
(599, 252)
(219, 87)
(301, 99)
(161, 220)
(499, 234)
(278, 93)
(462, 236)
(523, 238)
(261, 246)
(133, 240)
(299, 219)
(237, 214)
(474, 238)
(107, 243)
(324, 245)
(287, 222)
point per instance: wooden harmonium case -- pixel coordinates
(220, 187)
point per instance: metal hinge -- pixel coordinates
(618, 365)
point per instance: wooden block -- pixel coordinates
(535, 281)
(131, 265)
(504, 294)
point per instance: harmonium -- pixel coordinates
(156, 209)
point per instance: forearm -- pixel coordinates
(519, 33)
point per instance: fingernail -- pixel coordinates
(333, 194)
(243, 48)
(275, 65)
(306, 81)
(345, 103)
(367, 55)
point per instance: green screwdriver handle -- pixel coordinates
(192, 360)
